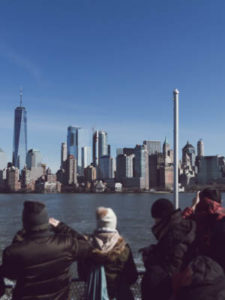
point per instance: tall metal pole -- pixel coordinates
(175, 147)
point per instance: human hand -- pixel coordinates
(195, 201)
(53, 222)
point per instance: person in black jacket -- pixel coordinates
(203, 279)
(39, 258)
(170, 254)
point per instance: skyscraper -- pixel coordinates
(63, 155)
(200, 147)
(85, 156)
(188, 155)
(100, 145)
(3, 160)
(33, 159)
(20, 136)
(153, 147)
(72, 141)
(141, 167)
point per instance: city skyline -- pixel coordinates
(113, 66)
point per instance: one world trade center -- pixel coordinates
(20, 136)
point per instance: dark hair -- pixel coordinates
(210, 193)
(162, 208)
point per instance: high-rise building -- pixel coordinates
(153, 147)
(63, 155)
(100, 145)
(12, 177)
(72, 141)
(200, 148)
(71, 170)
(167, 153)
(188, 155)
(124, 166)
(34, 159)
(106, 167)
(85, 156)
(20, 136)
(141, 165)
(3, 160)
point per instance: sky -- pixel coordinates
(113, 65)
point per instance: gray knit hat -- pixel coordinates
(35, 216)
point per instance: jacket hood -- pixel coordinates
(183, 230)
(207, 207)
(119, 251)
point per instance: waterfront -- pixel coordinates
(78, 211)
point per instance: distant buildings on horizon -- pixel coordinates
(144, 167)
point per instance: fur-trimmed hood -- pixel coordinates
(120, 251)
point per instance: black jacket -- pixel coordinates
(40, 262)
(207, 281)
(168, 256)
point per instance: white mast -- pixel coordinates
(175, 147)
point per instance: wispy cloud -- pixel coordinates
(16, 58)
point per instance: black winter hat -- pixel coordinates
(162, 208)
(211, 193)
(35, 216)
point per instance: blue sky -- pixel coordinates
(112, 65)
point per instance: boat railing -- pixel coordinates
(78, 289)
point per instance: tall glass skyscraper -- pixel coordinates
(72, 141)
(20, 136)
(100, 146)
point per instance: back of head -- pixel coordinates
(162, 208)
(106, 219)
(205, 280)
(35, 216)
(210, 193)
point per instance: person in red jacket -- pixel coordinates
(207, 211)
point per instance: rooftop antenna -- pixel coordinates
(21, 96)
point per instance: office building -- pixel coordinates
(100, 145)
(188, 155)
(106, 167)
(211, 169)
(85, 156)
(12, 179)
(3, 160)
(20, 136)
(141, 165)
(153, 147)
(34, 159)
(72, 141)
(71, 170)
(90, 173)
(63, 155)
(200, 148)
(124, 167)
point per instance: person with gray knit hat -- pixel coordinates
(41, 254)
(112, 252)
(35, 216)
(174, 237)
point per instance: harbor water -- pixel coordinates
(78, 211)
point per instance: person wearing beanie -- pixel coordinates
(170, 254)
(112, 252)
(209, 214)
(41, 254)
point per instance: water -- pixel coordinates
(78, 211)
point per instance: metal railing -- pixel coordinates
(78, 289)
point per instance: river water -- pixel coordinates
(78, 211)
